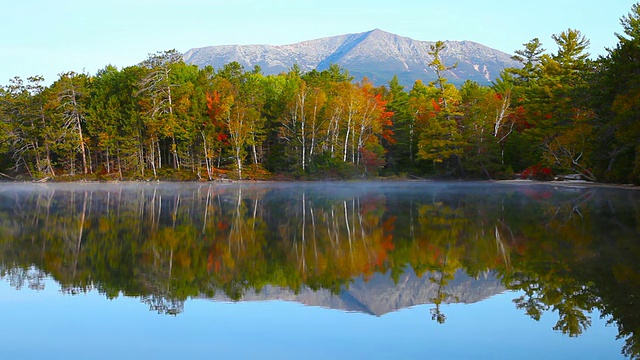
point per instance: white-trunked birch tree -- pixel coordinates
(156, 98)
(70, 95)
(304, 121)
(243, 120)
(293, 121)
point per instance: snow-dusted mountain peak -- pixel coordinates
(376, 54)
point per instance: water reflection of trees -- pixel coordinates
(569, 252)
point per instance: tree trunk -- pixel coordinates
(207, 162)
(239, 162)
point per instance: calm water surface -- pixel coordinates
(319, 270)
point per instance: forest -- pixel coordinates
(560, 113)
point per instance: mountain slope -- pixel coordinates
(375, 54)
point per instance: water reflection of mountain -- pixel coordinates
(380, 295)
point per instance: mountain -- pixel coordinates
(376, 54)
(379, 295)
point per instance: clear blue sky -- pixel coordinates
(46, 37)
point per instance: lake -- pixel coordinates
(355, 270)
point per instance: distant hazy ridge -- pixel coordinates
(379, 295)
(375, 54)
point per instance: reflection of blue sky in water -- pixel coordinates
(48, 324)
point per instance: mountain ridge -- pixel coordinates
(380, 294)
(376, 54)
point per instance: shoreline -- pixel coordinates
(569, 183)
(524, 182)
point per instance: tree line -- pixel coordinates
(558, 113)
